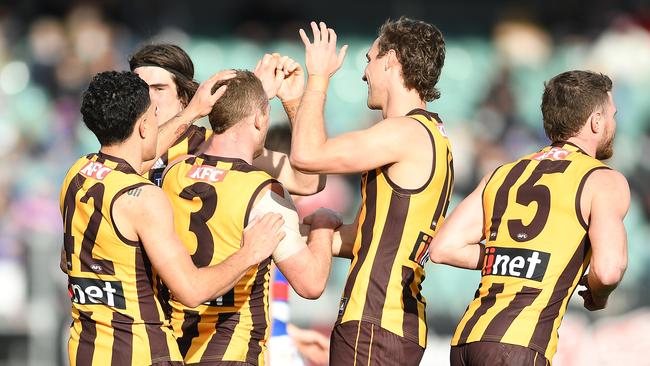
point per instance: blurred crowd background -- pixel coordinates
(499, 53)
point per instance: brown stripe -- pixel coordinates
(122, 339)
(251, 202)
(581, 186)
(562, 290)
(384, 259)
(363, 344)
(486, 303)
(96, 192)
(196, 139)
(258, 312)
(218, 344)
(366, 231)
(443, 200)
(122, 165)
(69, 207)
(501, 197)
(411, 321)
(450, 170)
(148, 308)
(189, 329)
(502, 321)
(87, 336)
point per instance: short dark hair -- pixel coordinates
(173, 59)
(420, 49)
(569, 98)
(244, 96)
(112, 104)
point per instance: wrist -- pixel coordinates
(290, 102)
(317, 82)
(243, 255)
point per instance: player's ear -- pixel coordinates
(596, 121)
(390, 59)
(258, 120)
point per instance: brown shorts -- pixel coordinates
(363, 343)
(220, 363)
(495, 354)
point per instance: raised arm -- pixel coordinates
(305, 265)
(607, 195)
(200, 105)
(457, 241)
(146, 215)
(283, 77)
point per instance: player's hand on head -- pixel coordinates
(204, 98)
(262, 236)
(321, 57)
(323, 218)
(591, 303)
(269, 71)
(293, 83)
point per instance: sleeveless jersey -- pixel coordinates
(396, 226)
(537, 249)
(117, 318)
(187, 144)
(212, 199)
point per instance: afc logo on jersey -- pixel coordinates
(88, 291)
(515, 262)
(554, 153)
(95, 170)
(207, 173)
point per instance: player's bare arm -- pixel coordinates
(604, 204)
(457, 241)
(146, 215)
(343, 240)
(305, 265)
(200, 105)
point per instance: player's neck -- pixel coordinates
(584, 144)
(401, 101)
(231, 145)
(125, 151)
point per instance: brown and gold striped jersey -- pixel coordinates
(392, 243)
(117, 318)
(188, 143)
(212, 198)
(537, 248)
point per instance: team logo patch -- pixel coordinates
(89, 291)
(95, 170)
(515, 262)
(442, 130)
(207, 173)
(342, 304)
(555, 153)
(420, 253)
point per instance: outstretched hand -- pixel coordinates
(321, 57)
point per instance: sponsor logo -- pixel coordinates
(420, 253)
(555, 153)
(515, 262)
(207, 173)
(95, 170)
(342, 304)
(89, 291)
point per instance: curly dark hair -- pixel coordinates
(112, 104)
(245, 95)
(569, 99)
(173, 59)
(420, 49)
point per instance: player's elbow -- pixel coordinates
(303, 162)
(439, 253)
(189, 299)
(310, 292)
(610, 276)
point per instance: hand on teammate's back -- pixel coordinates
(262, 236)
(320, 56)
(323, 218)
(205, 98)
(591, 303)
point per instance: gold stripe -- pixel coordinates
(372, 333)
(356, 343)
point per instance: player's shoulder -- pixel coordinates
(605, 179)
